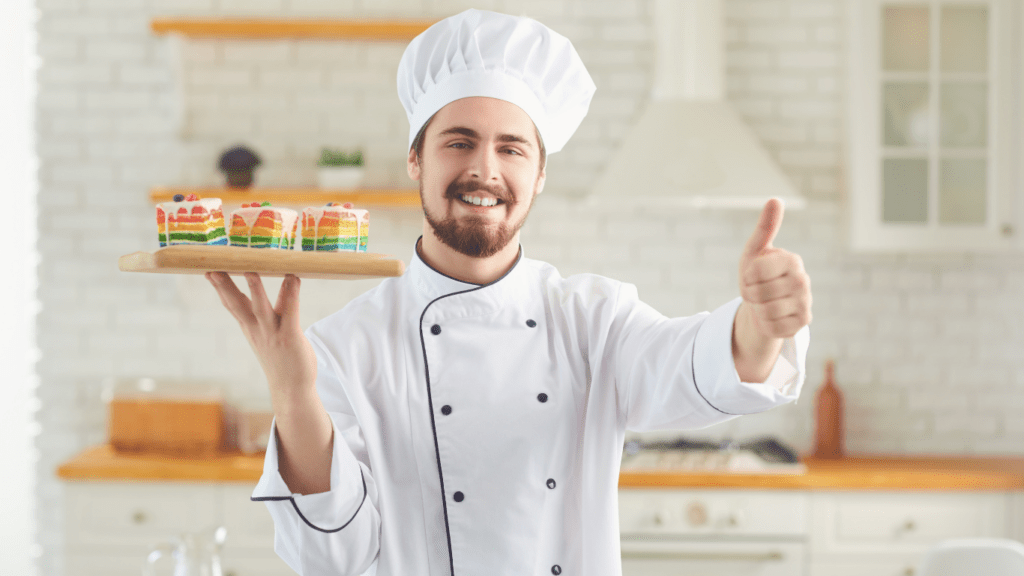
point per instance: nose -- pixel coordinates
(484, 164)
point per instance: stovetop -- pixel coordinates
(762, 455)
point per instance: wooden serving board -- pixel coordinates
(237, 260)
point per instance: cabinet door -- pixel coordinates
(249, 524)
(104, 564)
(712, 558)
(862, 567)
(132, 517)
(245, 564)
(931, 117)
(859, 524)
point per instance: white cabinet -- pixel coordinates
(933, 122)
(111, 526)
(802, 532)
(887, 533)
(713, 532)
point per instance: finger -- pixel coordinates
(778, 309)
(232, 298)
(770, 266)
(288, 300)
(767, 227)
(260, 303)
(781, 287)
(787, 327)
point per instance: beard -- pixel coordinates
(471, 235)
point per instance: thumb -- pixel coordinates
(767, 227)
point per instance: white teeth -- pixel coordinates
(480, 201)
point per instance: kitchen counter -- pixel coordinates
(969, 473)
(104, 463)
(855, 473)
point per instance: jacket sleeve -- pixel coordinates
(333, 532)
(679, 373)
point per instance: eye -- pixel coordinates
(459, 145)
(513, 151)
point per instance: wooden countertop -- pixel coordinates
(104, 463)
(852, 473)
(856, 473)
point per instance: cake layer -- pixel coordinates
(191, 221)
(334, 228)
(263, 227)
(329, 243)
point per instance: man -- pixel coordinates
(468, 417)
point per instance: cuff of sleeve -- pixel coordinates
(715, 375)
(327, 511)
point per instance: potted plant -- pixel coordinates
(238, 164)
(338, 169)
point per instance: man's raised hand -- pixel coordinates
(274, 333)
(773, 282)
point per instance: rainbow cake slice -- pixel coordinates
(190, 220)
(263, 226)
(335, 227)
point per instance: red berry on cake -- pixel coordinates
(192, 197)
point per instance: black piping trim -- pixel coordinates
(693, 369)
(299, 512)
(430, 400)
(417, 249)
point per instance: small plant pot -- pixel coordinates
(339, 176)
(239, 178)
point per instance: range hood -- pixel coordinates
(690, 148)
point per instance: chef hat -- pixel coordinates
(516, 59)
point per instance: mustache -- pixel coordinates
(457, 189)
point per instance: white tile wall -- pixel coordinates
(928, 349)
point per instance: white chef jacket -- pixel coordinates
(478, 429)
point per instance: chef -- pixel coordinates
(468, 417)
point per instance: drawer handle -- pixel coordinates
(909, 526)
(714, 556)
(139, 517)
(908, 572)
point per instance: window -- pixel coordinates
(932, 110)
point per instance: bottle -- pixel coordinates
(829, 417)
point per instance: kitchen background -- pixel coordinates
(928, 348)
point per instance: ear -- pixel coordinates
(412, 165)
(540, 179)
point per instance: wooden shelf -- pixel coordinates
(259, 28)
(361, 198)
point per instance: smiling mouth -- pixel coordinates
(477, 201)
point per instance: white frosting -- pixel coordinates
(171, 211)
(250, 214)
(317, 212)
(171, 208)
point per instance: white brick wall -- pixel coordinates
(927, 348)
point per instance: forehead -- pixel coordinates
(486, 116)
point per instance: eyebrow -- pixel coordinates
(470, 133)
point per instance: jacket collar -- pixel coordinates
(433, 284)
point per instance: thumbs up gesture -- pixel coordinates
(775, 288)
